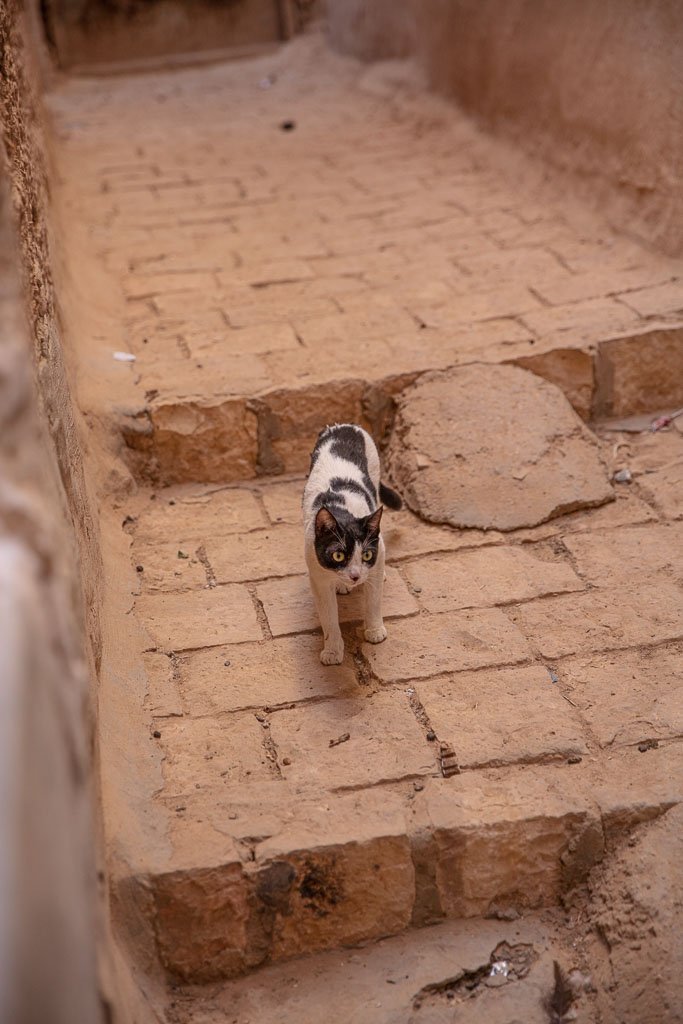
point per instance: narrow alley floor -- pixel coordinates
(293, 241)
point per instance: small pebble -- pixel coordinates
(574, 759)
(171, 501)
(227, 664)
(418, 786)
(139, 568)
(417, 589)
(286, 760)
(622, 476)
(431, 735)
(232, 815)
(156, 734)
(288, 126)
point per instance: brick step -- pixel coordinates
(476, 762)
(262, 873)
(425, 975)
(191, 428)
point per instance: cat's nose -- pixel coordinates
(354, 574)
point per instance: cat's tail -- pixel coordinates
(390, 498)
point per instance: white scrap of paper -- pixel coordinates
(125, 357)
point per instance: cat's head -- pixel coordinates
(345, 545)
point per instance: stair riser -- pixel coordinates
(236, 438)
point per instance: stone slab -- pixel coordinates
(618, 556)
(168, 567)
(487, 576)
(180, 517)
(502, 716)
(627, 696)
(603, 619)
(493, 447)
(266, 674)
(427, 645)
(205, 753)
(277, 551)
(199, 618)
(384, 741)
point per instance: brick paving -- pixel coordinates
(269, 282)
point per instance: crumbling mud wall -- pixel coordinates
(48, 883)
(57, 960)
(595, 87)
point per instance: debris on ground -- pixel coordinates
(665, 421)
(340, 739)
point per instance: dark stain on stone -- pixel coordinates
(320, 887)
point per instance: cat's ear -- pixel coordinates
(325, 522)
(372, 522)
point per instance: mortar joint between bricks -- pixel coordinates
(208, 568)
(268, 743)
(423, 720)
(261, 616)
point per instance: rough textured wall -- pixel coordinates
(593, 86)
(372, 31)
(26, 168)
(50, 915)
(48, 898)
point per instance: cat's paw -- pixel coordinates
(332, 655)
(375, 635)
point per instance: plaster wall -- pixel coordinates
(58, 959)
(593, 87)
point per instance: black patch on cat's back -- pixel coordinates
(348, 443)
(339, 484)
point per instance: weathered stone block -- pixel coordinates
(351, 877)
(502, 716)
(603, 619)
(490, 575)
(205, 753)
(618, 556)
(199, 618)
(202, 919)
(451, 642)
(275, 551)
(628, 696)
(493, 447)
(261, 675)
(358, 741)
(507, 843)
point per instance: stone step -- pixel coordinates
(258, 874)
(427, 976)
(196, 425)
(450, 772)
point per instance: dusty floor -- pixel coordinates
(268, 280)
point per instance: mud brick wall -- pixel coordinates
(47, 871)
(592, 86)
(49, 908)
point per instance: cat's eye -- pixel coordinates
(338, 556)
(367, 555)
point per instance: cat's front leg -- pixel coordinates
(325, 595)
(375, 630)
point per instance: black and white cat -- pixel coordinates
(343, 545)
